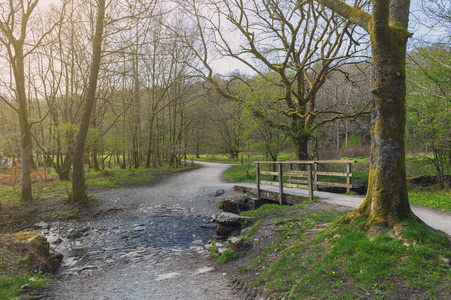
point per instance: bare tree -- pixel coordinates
(78, 192)
(16, 38)
(301, 45)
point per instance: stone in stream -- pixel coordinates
(139, 227)
(227, 224)
(77, 233)
(227, 218)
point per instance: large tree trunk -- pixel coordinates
(387, 201)
(78, 192)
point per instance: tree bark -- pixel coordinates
(15, 52)
(386, 202)
(300, 141)
(25, 131)
(78, 192)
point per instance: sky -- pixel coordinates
(420, 32)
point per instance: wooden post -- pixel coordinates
(315, 169)
(348, 177)
(289, 177)
(310, 182)
(280, 184)
(258, 181)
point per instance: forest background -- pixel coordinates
(161, 92)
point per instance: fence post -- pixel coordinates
(310, 182)
(258, 180)
(315, 170)
(289, 177)
(348, 177)
(280, 184)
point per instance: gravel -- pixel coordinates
(145, 242)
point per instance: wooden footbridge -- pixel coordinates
(306, 175)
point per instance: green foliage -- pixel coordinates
(340, 261)
(355, 140)
(226, 256)
(429, 105)
(214, 252)
(14, 287)
(261, 95)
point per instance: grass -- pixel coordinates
(317, 257)
(240, 173)
(110, 178)
(217, 158)
(14, 288)
(432, 198)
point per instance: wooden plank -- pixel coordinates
(297, 173)
(269, 182)
(308, 162)
(334, 174)
(269, 173)
(300, 181)
(334, 184)
(336, 162)
(285, 162)
(296, 186)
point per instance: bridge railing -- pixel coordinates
(303, 174)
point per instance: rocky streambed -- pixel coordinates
(96, 245)
(147, 242)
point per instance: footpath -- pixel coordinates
(436, 219)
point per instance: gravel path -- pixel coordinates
(439, 220)
(145, 243)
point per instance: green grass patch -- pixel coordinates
(226, 256)
(314, 260)
(240, 173)
(15, 287)
(217, 158)
(432, 198)
(110, 178)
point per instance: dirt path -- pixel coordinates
(145, 243)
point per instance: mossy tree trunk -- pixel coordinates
(78, 192)
(386, 202)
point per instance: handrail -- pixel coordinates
(312, 174)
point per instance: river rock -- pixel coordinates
(217, 193)
(37, 252)
(227, 218)
(77, 233)
(42, 225)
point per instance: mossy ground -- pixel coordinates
(316, 257)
